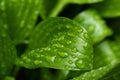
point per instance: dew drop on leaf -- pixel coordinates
(63, 54)
(74, 50)
(37, 62)
(80, 30)
(69, 42)
(50, 59)
(85, 35)
(79, 64)
(70, 62)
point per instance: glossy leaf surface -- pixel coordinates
(65, 45)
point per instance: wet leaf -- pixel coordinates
(61, 44)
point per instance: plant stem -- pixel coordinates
(58, 7)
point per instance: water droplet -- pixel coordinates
(79, 64)
(74, 50)
(53, 58)
(70, 62)
(69, 42)
(80, 30)
(36, 62)
(61, 38)
(50, 59)
(70, 34)
(47, 49)
(63, 54)
(86, 35)
(26, 59)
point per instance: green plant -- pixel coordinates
(47, 40)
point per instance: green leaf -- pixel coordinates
(117, 76)
(94, 24)
(84, 1)
(108, 51)
(9, 78)
(95, 74)
(73, 74)
(7, 54)
(60, 43)
(108, 8)
(113, 72)
(20, 17)
(46, 7)
(113, 77)
(53, 8)
(106, 62)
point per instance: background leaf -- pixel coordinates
(20, 17)
(108, 8)
(108, 51)
(9, 78)
(94, 24)
(95, 74)
(7, 54)
(53, 8)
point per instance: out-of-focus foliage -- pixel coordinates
(34, 46)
